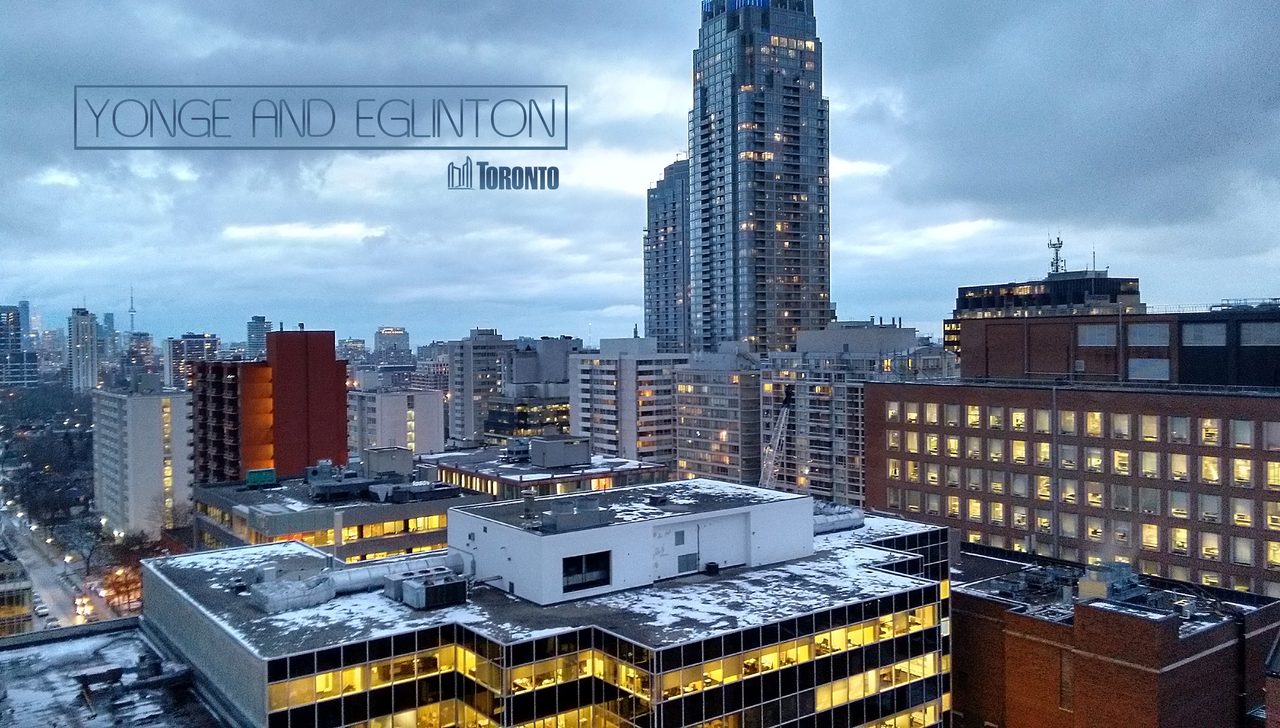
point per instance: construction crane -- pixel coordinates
(768, 465)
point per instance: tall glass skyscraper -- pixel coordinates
(666, 260)
(759, 233)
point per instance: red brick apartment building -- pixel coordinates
(1177, 481)
(286, 412)
(1041, 643)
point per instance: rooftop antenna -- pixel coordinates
(132, 311)
(1058, 264)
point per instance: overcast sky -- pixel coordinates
(962, 134)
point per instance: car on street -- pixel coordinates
(42, 610)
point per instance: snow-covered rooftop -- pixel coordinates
(39, 679)
(491, 462)
(644, 502)
(845, 569)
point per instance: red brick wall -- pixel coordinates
(309, 398)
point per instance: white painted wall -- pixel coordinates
(530, 565)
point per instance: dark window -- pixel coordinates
(587, 571)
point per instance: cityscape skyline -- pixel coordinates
(942, 151)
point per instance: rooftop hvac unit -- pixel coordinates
(433, 592)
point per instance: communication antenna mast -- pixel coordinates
(132, 311)
(1058, 264)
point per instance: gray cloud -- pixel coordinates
(963, 132)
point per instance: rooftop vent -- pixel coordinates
(574, 514)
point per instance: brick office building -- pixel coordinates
(286, 412)
(1180, 482)
(1233, 345)
(1107, 648)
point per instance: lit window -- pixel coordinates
(973, 416)
(1210, 469)
(1120, 462)
(1093, 424)
(1210, 546)
(1018, 420)
(1150, 428)
(1150, 537)
(1210, 431)
(1242, 472)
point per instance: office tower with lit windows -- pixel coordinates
(759, 223)
(141, 448)
(737, 616)
(666, 260)
(256, 337)
(82, 350)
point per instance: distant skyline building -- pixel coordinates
(256, 329)
(391, 345)
(82, 350)
(759, 231)
(180, 352)
(19, 366)
(24, 324)
(666, 260)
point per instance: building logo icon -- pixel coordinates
(460, 176)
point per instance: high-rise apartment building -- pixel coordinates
(82, 350)
(395, 418)
(623, 399)
(759, 228)
(820, 389)
(718, 417)
(285, 412)
(475, 377)
(19, 365)
(181, 352)
(141, 463)
(255, 343)
(666, 260)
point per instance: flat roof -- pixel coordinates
(1222, 390)
(635, 503)
(39, 677)
(1036, 586)
(845, 569)
(491, 462)
(294, 496)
